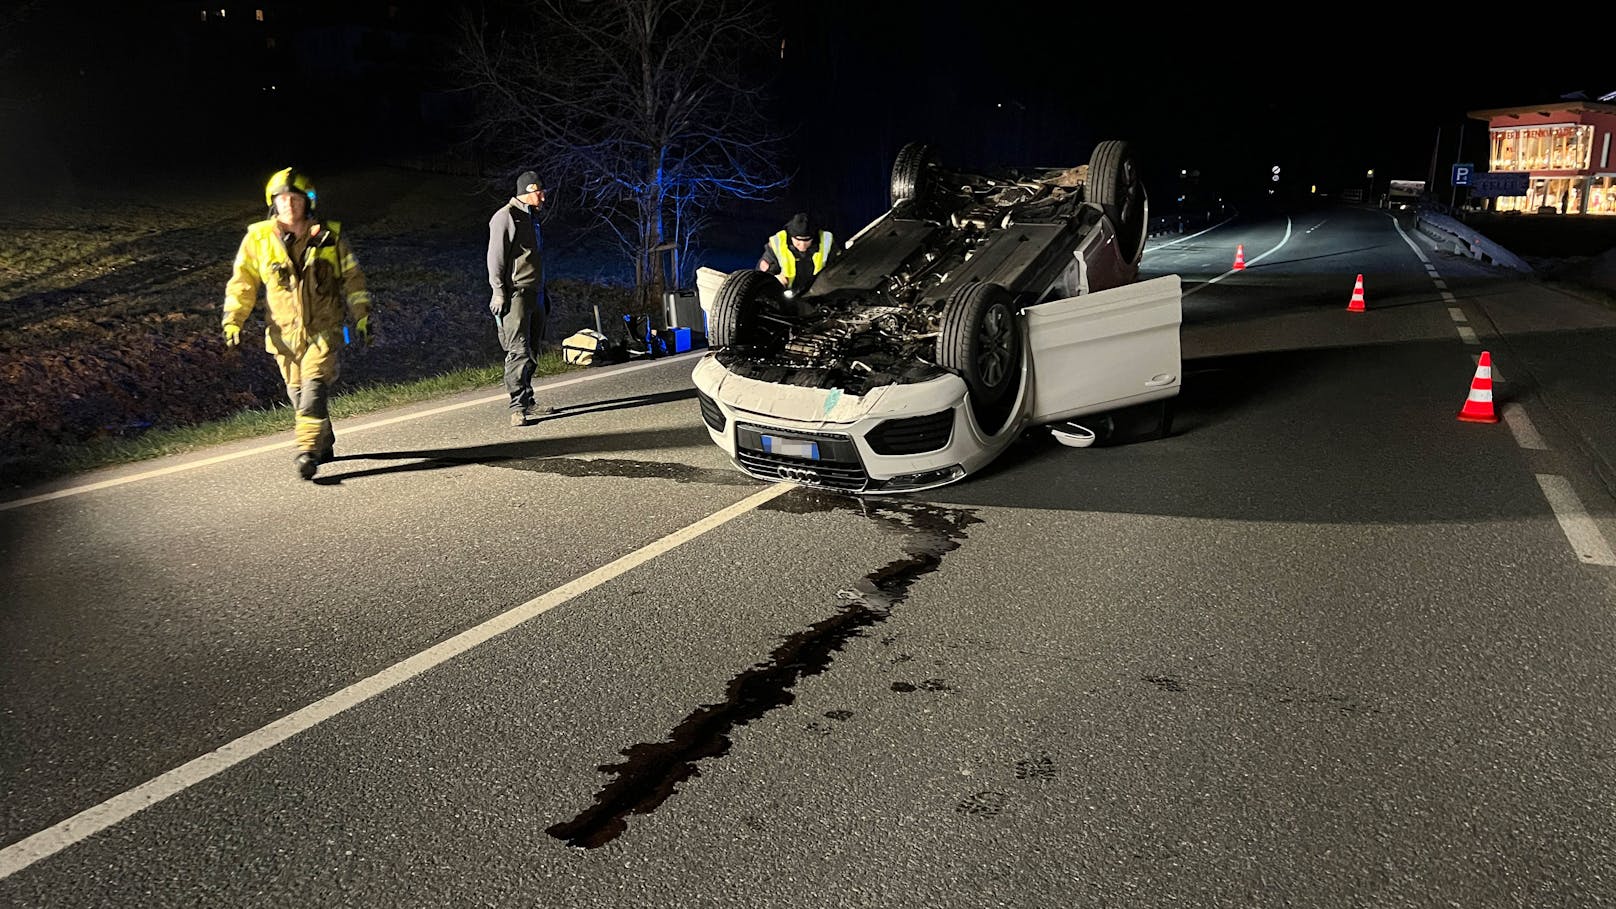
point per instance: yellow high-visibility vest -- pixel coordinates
(781, 244)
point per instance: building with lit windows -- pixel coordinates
(1562, 149)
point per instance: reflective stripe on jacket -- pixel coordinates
(305, 299)
(781, 244)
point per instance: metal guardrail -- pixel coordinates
(1465, 241)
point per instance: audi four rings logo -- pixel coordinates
(800, 474)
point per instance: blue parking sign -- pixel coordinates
(1461, 174)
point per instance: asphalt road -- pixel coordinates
(1324, 645)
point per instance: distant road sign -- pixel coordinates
(1504, 184)
(1462, 174)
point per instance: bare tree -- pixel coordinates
(654, 110)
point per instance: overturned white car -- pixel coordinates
(977, 306)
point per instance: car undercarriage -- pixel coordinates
(932, 285)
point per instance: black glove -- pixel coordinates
(499, 305)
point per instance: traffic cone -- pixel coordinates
(1239, 257)
(1478, 408)
(1356, 304)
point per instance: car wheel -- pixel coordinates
(911, 172)
(1115, 184)
(740, 299)
(981, 342)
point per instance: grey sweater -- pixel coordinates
(515, 261)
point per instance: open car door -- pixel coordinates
(708, 280)
(1105, 350)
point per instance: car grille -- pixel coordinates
(913, 435)
(838, 468)
(710, 414)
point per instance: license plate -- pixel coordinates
(791, 448)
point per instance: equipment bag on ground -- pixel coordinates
(587, 348)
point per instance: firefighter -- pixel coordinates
(797, 254)
(313, 288)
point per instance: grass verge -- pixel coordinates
(249, 424)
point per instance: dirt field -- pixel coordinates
(109, 307)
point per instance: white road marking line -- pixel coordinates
(1251, 261)
(1468, 335)
(278, 446)
(1440, 284)
(1521, 425)
(1448, 297)
(1456, 314)
(1192, 236)
(87, 823)
(1410, 241)
(1580, 530)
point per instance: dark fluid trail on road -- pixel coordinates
(653, 771)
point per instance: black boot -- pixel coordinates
(307, 464)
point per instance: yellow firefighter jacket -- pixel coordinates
(305, 299)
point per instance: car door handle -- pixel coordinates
(1160, 379)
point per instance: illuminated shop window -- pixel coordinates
(259, 15)
(1602, 195)
(1559, 146)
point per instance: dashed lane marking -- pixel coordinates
(87, 823)
(1456, 314)
(1468, 335)
(1580, 529)
(1521, 425)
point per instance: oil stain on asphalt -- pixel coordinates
(652, 771)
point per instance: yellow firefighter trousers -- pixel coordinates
(309, 379)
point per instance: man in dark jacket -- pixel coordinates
(797, 254)
(519, 303)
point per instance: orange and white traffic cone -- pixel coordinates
(1478, 408)
(1239, 256)
(1356, 304)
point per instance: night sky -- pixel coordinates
(1226, 92)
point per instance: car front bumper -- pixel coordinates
(897, 438)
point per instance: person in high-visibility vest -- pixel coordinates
(312, 288)
(797, 254)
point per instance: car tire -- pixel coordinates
(1117, 186)
(981, 341)
(740, 299)
(911, 173)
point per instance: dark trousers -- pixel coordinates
(519, 330)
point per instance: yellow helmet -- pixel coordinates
(289, 180)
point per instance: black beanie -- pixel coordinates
(798, 226)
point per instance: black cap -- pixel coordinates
(797, 227)
(528, 182)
